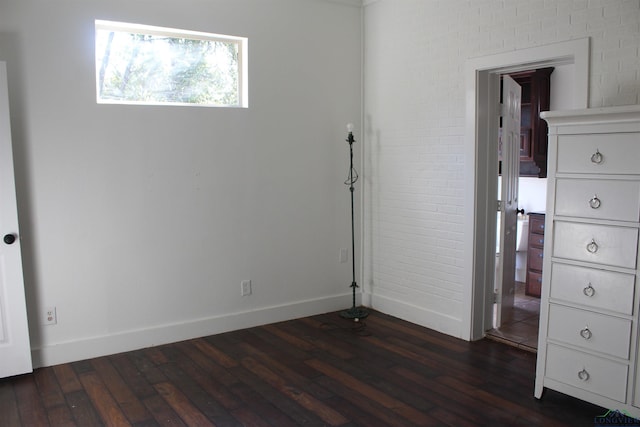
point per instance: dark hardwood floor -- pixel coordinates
(316, 371)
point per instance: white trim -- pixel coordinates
(365, 289)
(102, 345)
(133, 28)
(477, 70)
(418, 315)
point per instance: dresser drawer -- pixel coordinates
(603, 244)
(591, 373)
(599, 199)
(587, 329)
(533, 286)
(534, 258)
(536, 240)
(536, 223)
(616, 153)
(599, 289)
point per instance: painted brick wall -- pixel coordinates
(415, 53)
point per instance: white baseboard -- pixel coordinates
(418, 315)
(97, 346)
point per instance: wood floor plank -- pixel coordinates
(436, 361)
(372, 393)
(275, 346)
(314, 332)
(182, 406)
(460, 406)
(450, 418)
(258, 404)
(288, 338)
(214, 354)
(128, 402)
(162, 412)
(30, 405)
(357, 415)
(67, 378)
(48, 387)
(409, 354)
(518, 412)
(8, 404)
(82, 409)
(209, 366)
(485, 398)
(376, 414)
(249, 418)
(155, 355)
(105, 404)
(147, 368)
(60, 416)
(209, 383)
(53, 399)
(292, 372)
(263, 391)
(192, 391)
(130, 374)
(324, 412)
(82, 366)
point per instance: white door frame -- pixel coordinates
(480, 149)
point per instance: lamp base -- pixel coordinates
(355, 313)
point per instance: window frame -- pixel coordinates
(131, 28)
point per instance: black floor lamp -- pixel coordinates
(355, 313)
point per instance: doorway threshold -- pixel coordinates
(520, 323)
(495, 335)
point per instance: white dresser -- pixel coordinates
(588, 342)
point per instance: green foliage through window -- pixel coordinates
(151, 65)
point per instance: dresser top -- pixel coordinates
(627, 113)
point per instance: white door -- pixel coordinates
(510, 148)
(15, 350)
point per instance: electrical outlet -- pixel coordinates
(50, 317)
(344, 255)
(245, 288)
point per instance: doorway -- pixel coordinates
(481, 185)
(517, 323)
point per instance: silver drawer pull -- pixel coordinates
(586, 333)
(583, 375)
(596, 157)
(589, 291)
(592, 247)
(595, 202)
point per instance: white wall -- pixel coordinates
(415, 54)
(138, 223)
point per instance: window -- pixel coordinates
(140, 64)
